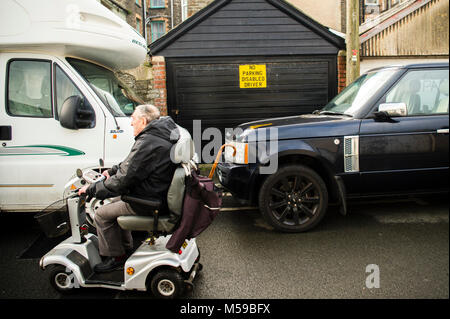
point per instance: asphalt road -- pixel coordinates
(407, 240)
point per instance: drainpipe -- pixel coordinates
(144, 18)
(171, 14)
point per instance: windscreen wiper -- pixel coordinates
(334, 113)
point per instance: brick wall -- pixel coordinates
(341, 70)
(159, 83)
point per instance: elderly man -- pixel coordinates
(145, 173)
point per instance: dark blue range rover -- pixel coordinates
(385, 134)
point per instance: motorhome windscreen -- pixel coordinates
(117, 97)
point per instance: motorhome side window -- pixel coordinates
(64, 88)
(29, 88)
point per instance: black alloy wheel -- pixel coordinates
(294, 199)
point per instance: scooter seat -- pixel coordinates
(145, 223)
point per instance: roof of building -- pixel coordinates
(323, 36)
(373, 27)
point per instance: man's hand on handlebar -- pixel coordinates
(106, 174)
(82, 190)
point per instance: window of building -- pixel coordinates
(184, 10)
(138, 25)
(29, 88)
(157, 3)
(158, 29)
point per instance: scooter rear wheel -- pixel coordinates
(167, 284)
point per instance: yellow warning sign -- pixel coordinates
(252, 76)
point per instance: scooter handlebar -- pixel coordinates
(75, 194)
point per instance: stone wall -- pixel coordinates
(196, 5)
(148, 81)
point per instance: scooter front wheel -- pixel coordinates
(62, 279)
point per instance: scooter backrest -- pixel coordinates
(175, 194)
(182, 153)
(183, 150)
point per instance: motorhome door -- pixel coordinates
(38, 155)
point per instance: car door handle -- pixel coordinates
(442, 131)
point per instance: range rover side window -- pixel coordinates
(29, 88)
(425, 92)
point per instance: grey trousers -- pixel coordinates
(113, 240)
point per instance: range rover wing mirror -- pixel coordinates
(388, 110)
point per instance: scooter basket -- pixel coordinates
(54, 220)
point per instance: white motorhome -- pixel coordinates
(61, 105)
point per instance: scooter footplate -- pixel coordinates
(112, 278)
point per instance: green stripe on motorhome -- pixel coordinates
(32, 150)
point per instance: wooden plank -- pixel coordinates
(223, 68)
(303, 86)
(250, 105)
(247, 29)
(230, 52)
(266, 21)
(248, 6)
(273, 97)
(297, 35)
(272, 13)
(204, 85)
(248, 44)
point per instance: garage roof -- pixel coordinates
(248, 27)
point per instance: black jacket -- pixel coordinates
(147, 171)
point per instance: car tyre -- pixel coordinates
(294, 199)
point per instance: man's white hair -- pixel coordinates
(147, 111)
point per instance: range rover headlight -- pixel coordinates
(241, 156)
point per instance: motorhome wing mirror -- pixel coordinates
(76, 113)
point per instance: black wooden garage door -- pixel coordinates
(209, 90)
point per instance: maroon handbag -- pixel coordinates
(201, 205)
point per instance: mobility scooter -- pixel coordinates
(152, 267)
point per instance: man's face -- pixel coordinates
(138, 123)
